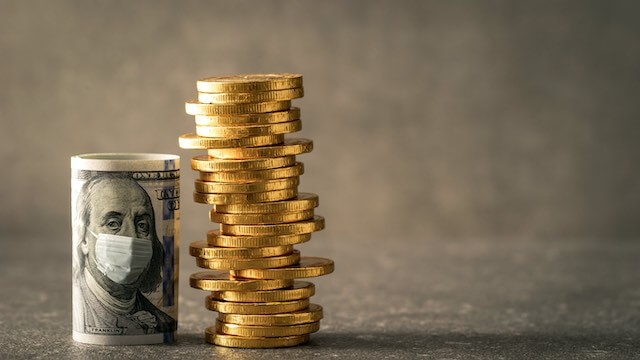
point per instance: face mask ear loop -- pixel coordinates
(99, 265)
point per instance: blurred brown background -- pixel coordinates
(431, 119)
(477, 162)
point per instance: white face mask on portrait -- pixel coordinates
(122, 258)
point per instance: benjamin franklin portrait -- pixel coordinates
(115, 225)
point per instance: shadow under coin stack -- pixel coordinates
(250, 176)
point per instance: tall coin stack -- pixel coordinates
(250, 176)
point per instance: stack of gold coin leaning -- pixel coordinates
(250, 176)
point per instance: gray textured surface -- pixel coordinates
(441, 300)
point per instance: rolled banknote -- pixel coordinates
(125, 212)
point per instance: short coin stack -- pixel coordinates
(250, 176)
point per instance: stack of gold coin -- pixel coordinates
(250, 177)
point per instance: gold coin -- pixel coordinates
(252, 187)
(300, 227)
(225, 199)
(214, 238)
(254, 175)
(240, 131)
(307, 267)
(248, 219)
(291, 146)
(250, 97)
(267, 331)
(255, 263)
(253, 342)
(197, 108)
(256, 308)
(207, 163)
(248, 119)
(300, 290)
(202, 250)
(304, 201)
(249, 83)
(221, 281)
(309, 315)
(193, 141)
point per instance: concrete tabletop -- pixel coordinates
(436, 299)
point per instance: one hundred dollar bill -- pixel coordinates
(125, 221)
